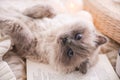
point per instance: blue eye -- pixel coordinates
(78, 36)
(70, 52)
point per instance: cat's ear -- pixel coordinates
(100, 39)
(85, 15)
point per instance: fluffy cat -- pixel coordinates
(64, 41)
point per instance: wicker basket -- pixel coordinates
(106, 14)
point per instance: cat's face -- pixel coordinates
(75, 43)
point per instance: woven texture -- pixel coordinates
(4, 47)
(5, 72)
(106, 14)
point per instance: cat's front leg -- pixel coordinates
(40, 11)
(19, 33)
(83, 68)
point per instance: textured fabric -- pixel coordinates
(4, 46)
(5, 72)
(106, 14)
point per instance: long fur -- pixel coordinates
(41, 39)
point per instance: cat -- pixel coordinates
(64, 41)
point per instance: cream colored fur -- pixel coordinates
(40, 40)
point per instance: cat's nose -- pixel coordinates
(66, 41)
(69, 41)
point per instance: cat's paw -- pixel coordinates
(83, 68)
(40, 11)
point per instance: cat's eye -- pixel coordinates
(70, 53)
(78, 36)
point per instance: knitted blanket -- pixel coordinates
(5, 71)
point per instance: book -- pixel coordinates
(101, 71)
